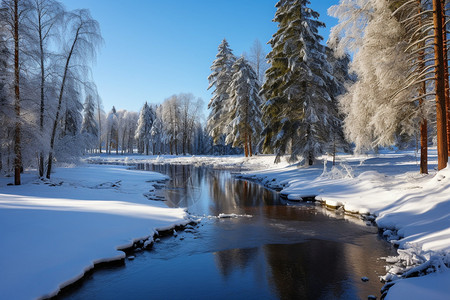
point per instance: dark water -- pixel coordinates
(272, 250)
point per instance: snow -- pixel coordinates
(53, 233)
(431, 287)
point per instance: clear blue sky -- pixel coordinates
(154, 48)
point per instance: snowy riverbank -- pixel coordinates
(53, 232)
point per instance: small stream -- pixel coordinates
(271, 249)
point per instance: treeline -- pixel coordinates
(172, 127)
(45, 52)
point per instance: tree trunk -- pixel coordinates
(424, 122)
(250, 151)
(446, 82)
(246, 145)
(61, 93)
(441, 117)
(99, 127)
(423, 146)
(17, 131)
(41, 116)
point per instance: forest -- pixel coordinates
(381, 80)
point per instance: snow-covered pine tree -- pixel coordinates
(144, 128)
(297, 112)
(245, 124)
(112, 124)
(220, 79)
(157, 132)
(89, 127)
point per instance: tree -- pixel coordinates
(112, 129)
(6, 122)
(297, 112)
(84, 37)
(89, 127)
(45, 17)
(188, 112)
(170, 116)
(257, 59)
(144, 128)
(245, 124)
(220, 79)
(14, 19)
(340, 78)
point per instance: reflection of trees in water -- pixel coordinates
(183, 185)
(230, 195)
(307, 270)
(229, 260)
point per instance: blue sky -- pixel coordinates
(154, 49)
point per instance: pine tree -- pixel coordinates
(113, 130)
(297, 112)
(220, 79)
(89, 127)
(245, 124)
(144, 128)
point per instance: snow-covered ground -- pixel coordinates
(51, 233)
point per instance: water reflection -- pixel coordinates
(282, 252)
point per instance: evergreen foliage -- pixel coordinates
(220, 79)
(297, 114)
(244, 126)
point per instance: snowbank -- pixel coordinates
(53, 232)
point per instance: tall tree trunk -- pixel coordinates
(423, 144)
(447, 87)
(250, 151)
(441, 117)
(42, 108)
(17, 131)
(246, 144)
(99, 127)
(423, 91)
(60, 98)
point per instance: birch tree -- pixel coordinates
(82, 41)
(45, 18)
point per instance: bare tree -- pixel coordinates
(14, 18)
(45, 17)
(83, 39)
(257, 59)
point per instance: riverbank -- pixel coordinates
(53, 232)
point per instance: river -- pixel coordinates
(262, 248)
